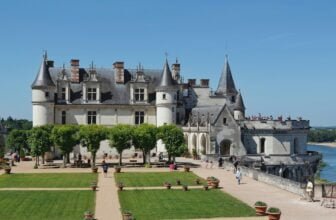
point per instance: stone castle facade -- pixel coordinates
(213, 122)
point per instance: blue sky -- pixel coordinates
(282, 53)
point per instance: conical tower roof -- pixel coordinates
(166, 77)
(226, 84)
(43, 78)
(239, 105)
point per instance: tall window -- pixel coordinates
(139, 94)
(262, 145)
(224, 121)
(92, 94)
(63, 117)
(139, 118)
(92, 117)
(63, 93)
(163, 96)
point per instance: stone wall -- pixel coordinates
(282, 183)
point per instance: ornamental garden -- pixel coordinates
(143, 193)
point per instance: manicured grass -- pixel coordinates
(178, 204)
(47, 180)
(133, 179)
(51, 205)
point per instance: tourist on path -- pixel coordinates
(309, 190)
(105, 168)
(238, 176)
(220, 162)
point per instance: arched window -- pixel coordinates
(262, 145)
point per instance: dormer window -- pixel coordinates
(224, 121)
(92, 94)
(63, 92)
(139, 95)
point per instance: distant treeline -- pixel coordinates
(322, 135)
(19, 124)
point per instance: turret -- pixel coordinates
(166, 98)
(239, 108)
(226, 86)
(43, 90)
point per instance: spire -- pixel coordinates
(43, 78)
(239, 105)
(166, 77)
(226, 84)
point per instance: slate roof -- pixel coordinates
(239, 105)
(43, 78)
(111, 92)
(226, 84)
(167, 80)
(204, 113)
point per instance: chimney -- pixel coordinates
(205, 83)
(176, 67)
(192, 82)
(119, 74)
(74, 70)
(50, 63)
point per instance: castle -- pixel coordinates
(213, 122)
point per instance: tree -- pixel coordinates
(65, 137)
(144, 138)
(17, 140)
(120, 137)
(173, 139)
(40, 142)
(91, 136)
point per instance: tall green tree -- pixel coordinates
(91, 136)
(17, 140)
(144, 138)
(173, 139)
(120, 138)
(65, 137)
(40, 142)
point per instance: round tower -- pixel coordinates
(166, 98)
(239, 108)
(43, 90)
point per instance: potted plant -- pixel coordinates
(194, 154)
(7, 169)
(167, 185)
(273, 213)
(205, 187)
(94, 186)
(117, 169)
(120, 186)
(213, 182)
(260, 208)
(88, 215)
(127, 215)
(185, 187)
(147, 165)
(186, 168)
(178, 182)
(197, 181)
(94, 169)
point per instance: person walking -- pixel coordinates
(309, 190)
(105, 168)
(220, 162)
(238, 176)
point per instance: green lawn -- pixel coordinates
(133, 179)
(51, 205)
(47, 180)
(178, 204)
